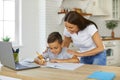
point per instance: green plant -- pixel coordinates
(6, 39)
(111, 24)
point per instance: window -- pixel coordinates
(10, 20)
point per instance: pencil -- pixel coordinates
(37, 53)
(39, 56)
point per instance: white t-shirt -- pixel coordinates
(83, 40)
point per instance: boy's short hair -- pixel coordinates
(54, 36)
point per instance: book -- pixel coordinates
(101, 75)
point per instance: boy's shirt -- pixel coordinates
(62, 55)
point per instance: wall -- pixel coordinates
(52, 17)
(30, 28)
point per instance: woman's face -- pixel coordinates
(71, 27)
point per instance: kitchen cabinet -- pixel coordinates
(97, 8)
(113, 9)
(78, 5)
(88, 7)
(113, 52)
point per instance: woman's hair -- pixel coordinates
(54, 36)
(75, 18)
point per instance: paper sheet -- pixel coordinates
(8, 78)
(1, 65)
(30, 60)
(65, 66)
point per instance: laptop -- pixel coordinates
(7, 58)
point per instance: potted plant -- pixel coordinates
(6, 39)
(112, 25)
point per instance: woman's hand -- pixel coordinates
(73, 52)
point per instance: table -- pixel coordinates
(57, 74)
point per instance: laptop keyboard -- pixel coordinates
(20, 66)
(26, 65)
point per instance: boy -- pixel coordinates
(56, 53)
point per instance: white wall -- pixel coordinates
(30, 28)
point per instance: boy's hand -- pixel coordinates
(38, 61)
(40, 57)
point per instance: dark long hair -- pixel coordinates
(76, 18)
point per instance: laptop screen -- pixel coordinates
(6, 54)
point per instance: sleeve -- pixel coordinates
(46, 55)
(92, 29)
(66, 33)
(67, 54)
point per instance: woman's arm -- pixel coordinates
(99, 47)
(66, 41)
(74, 59)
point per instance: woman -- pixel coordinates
(84, 35)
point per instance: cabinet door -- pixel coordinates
(112, 48)
(113, 9)
(112, 55)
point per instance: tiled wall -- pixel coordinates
(53, 19)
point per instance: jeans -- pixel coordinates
(98, 59)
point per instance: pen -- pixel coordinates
(17, 50)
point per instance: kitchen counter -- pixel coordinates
(109, 38)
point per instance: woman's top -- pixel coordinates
(83, 40)
(62, 55)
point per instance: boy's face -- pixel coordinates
(55, 47)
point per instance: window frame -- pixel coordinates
(18, 22)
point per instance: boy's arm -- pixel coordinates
(74, 59)
(41, 58)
